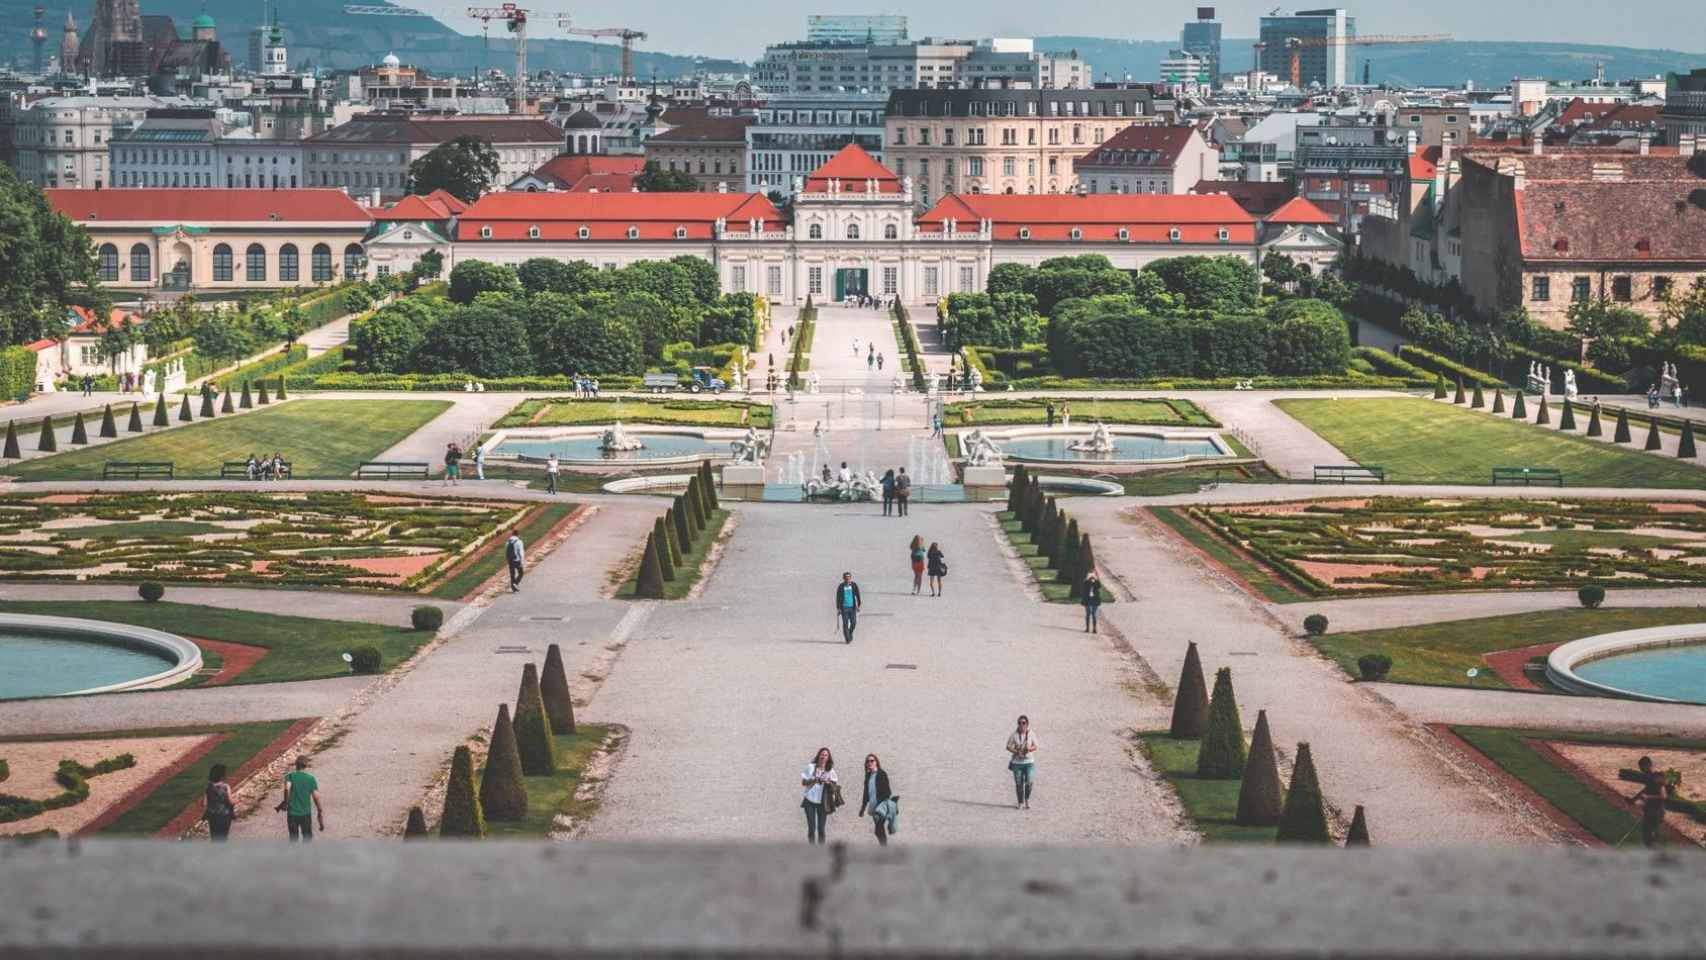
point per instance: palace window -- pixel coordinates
(289, 268)
(221, 263)
(1581, 289)
(255, 262)
(1622, 289)
(814, 281)
(1542, 289)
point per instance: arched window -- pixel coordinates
(891, 232)
(141, 266)
(533, 232)
(852, 231)
(289, 270)
(109, 263)
(222, 263)
(352, 261)
(320, 263)
(633, 233)
(815, 231)
(583, 233)
(256, 257)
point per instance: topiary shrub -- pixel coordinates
(1067, 566)
(135, 425)
(160, 417)
(426, 617)
(1478, 399)
(261, 397)
(1653, 442)
(660, 539)
(1568, 420)
(225, 404)
(150, 591)
(415, 828)
(48, 441)
(1374, 666)
(554, 690)
(1595, 428)
(683, 527)
(1498, 400)
(1315, 624)
(462, 814)
(1621, 434)
(533, 728)
(1458, 397)
(1685, 446)
(365, 659)
(1358, 835)
(11, 451)
(79, 432)
(185, 415)
(1084, 565)
(1439, 387)
(648, 582)
(1304, 819)
(1259, 797)
(1545, 416)
(248, 400)
(1591, 596)
(503, 793)
(1221, 756)
(109, 426)
(673, 537)
(207, 411)
(1518, 411)
(1190, 703)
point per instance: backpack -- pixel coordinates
(903, 484)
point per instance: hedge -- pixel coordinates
(17, 373)
(1428, 360)
(267, 367)
(909, 340)
(1347, 381)
(1588, 380)
(443, 381)
(1386, 364)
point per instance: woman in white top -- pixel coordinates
(551, 473)
(817, 779)
(1022, 749)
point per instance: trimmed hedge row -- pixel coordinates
(17, 372)
(1386, 364)
(1588, 380)
(267, 366)
(1348, 381)
(909, 340)
(443, 381)
(1428, 360)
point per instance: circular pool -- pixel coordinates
(1128, 448)
(55, 656)
(1664, 664)
(657, 446)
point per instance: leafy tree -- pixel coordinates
(470, 278)
(221, 337)
(430, 266)
(668, 281)
(295, 324)
(1222, 754)
(655, 179)
(1280, 269)
(1009, 278)
(1209, 283)
(49, 263)
(582, 335)
(658, 323)
(1599, 317)
(1685, 313)
(700, 276)
(1066, 278)
(545, 275)
(465, 168)
(1308, 337)
(485, 339)
(729, 321)
(386, 341)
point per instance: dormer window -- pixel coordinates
(1561, 245)
(583, 233)
(633, 233)
(1224, 235)
(1024, 233)
(1173, 234)
(533, 232)
(485, 233)
(681, 233)
(1077, 234)
(1124, 234)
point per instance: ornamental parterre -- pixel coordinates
(336, 539)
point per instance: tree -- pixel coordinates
(1598, 317)
(221, 338)
(503, 792)
(1070, 278)
(385, 342)
(1008, 278)
(1221, 756)
(485, 339)
(554, 690)
(1280, 269)
(430, 266)
(701, 276)
(1259, 799)
(545, 275)
(465, 168)
(1190, 702)
(1304, 819)
(1225, 283)
(532, 728)
(648, 582)
(462, 814)
(655, 179)
(1685, 313)
(470, 278)
(49, 263)
(582, 335)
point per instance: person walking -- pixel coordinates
(218, 810)
(915, 553)
(888, 492)
(878, 800)
(821, 785)
(847, 604)
(879, 363)
(937, 565)
(902, 491)
(1050, 410)
(1654, 786)
(551, 473)
(301, 802)
(1065, 415)
(516, 553)
(480, 462)
(936, 424)
(1021, 750)
(870, 361)
(1092, 601)
(855, 346)
(452, 464)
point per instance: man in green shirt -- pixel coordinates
(302, 802)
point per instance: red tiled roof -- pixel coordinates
(415, 207)
(1579, 220)
(1299, 210)
(1255, 196)
(576, 172)
(86, 324)
(1142, 145)
(168, 206)
(1424, 163)
(853, 167)
(608, 216)
(450, 201)
(1145, 217)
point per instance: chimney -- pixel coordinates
(1642, 144)
(723, 187)
(1685, 144)
(1535, 146)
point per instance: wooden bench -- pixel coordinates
(125, 470)
(393, 470)
(1350, 473)
(239, 470)
(1528, 476)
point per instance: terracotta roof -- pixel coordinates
(400, 128)
(1424, 163)
(1140, 146)
(608, 216)
(85, 324)
(415, 207)
(1145, 217)
(853, 167)
(160, 206)
(705, 129)
(1299, 210)
(1577, 220)
(1255, 196)
(574, 171)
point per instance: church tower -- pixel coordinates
(68, 46)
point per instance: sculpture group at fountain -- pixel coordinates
(980, 451)
(616, 440)
(751, 448)
(856, 488)
(1100, 441)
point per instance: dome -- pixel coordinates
(391, 60)
(203, 22)
(583, 120)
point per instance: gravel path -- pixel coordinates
(320, 604)
(1503, 708)
(729, 695)
(242, 703)
(1373, 613)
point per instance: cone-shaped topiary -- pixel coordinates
(225, 405)
(109, 426)
(207, 410)
(12, 452)
(462, 815)
(1594, 427)
(554, 690)
(184, 414)
(261, 395)
(1304, 819)
(1068, 565)
(683, 528)
(1039, 503)
(1086, 565)
(1439, 387)
(1477, 399)
(160, 419)
(1190, 702)
(533, 728)
(1621, 434)
(503, 794)
(79, 432)
(1545, 416)
(281, 393)
(695, 506)
(248, 400)
(1221, 756)
(1567, 421)
(1259, 797)
(665, 565)
(1045, 529)
(1358, 836)
(709, 485)
(1498, 400)
(47, 441)
(1653, 435)
(135, 424)
(1518, 411)
(648, 582)
(1016, 489)
(1685, 446)
(672, 536)
(415, 827)
(1458, 396)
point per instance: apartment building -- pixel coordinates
(1149, 159)
(711, 148)
(373, 151)
(66, 141)
(181, 147)
(797, 134)
(846, 67)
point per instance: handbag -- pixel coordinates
(832, 798)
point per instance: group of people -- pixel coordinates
(1065, 414)
(586, 388)
(931, 561)
(897, 492)
(865, 301)
(270, 468)
(873, 359)
(1678, 397)
(301, 804)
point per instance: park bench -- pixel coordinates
(393, 470)
(239, 470)
(124, 470)
(1528, 476)
(1350, 473)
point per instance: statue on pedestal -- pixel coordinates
(980, 451)
(615, 440)
(1100, 441)
(751, 448)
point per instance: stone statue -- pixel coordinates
(1546, 381)
(1569, 383)
(975, 376)
(615, 439)
(750, 449)
(980, 451)
(935, 384)
(812, 382)
(1100, 441)
(856, 488)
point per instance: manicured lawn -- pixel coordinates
(1425, 441)
(485, 566)
(1441, 653)
(687, 572)
(567, 411)
(1211, 804)
(158, 808)
(1166, 483)
(549, 797)
(320, 438)
(299, 648)
(1257, 575)
(1041, 567)
(1085, 410)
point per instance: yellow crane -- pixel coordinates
(1296, 45)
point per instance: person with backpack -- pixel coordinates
(452, 464)
(822, 793)
(218, 811)
(888, 492)
(937, 564)
(902, 491)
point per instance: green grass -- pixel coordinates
(1441, 653)
(151, 813)
(1257, 575)
(567, 411)
(484, 567)
(1425, 441)
(1211, 804)
(1166, 483)
(299, 648)
(1585, 539)
(549, 797)
(1041, 568)
(687, 572)
(1087, 411)
(141, 530)
(320, 438)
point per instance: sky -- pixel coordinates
(741, 30)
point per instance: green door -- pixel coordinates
(840, 285)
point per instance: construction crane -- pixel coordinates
(373, 10)
(516, 18)
(626, 35)
(1296, 45)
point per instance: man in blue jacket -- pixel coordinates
(847, 605)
